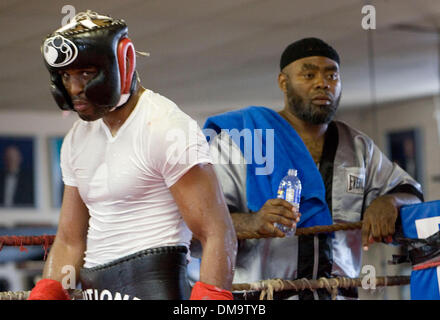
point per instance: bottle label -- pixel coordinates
(292, 196)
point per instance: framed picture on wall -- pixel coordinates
(57, 186)
(404, 149)
(17, 172)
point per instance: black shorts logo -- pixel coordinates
(94, 294)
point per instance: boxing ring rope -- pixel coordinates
(47, 240)
(21, 241)
(306, 231)
(266, 287)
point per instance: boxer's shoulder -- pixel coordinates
(161, 111)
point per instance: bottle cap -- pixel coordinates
(292, 172)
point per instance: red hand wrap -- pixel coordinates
(48, 289)
(204, 291)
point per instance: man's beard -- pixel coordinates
(309, 112)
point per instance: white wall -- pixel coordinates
(41, 126)
(417, 113)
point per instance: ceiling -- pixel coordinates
(211, 56)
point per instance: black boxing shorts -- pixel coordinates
(151, 274)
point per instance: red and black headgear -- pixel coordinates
(83, 43)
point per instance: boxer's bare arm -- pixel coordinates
(70, 241)
(201, 202)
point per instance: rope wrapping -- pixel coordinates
(268, 287)
(18, 295)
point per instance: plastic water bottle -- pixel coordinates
(289, 190)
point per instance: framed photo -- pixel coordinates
(57, 185)
(404, 149)
(17, 172)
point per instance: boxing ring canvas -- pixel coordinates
(17, 172)
(57, 186)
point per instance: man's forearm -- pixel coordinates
(61, 255)
(379, 219)
(218, 262)
(242, 222)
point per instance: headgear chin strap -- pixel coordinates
(82, 43)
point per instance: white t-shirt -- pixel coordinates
(124, 180)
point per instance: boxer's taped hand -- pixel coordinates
(48, 289)
(204, 291)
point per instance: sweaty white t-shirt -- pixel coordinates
(124, 179)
